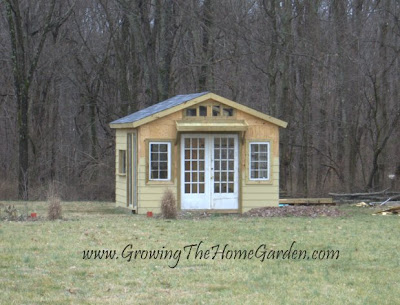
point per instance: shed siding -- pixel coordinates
(256, 195)
(150, 193)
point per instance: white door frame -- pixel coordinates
(197, 164)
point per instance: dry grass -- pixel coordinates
(41, 262)
(168, 205)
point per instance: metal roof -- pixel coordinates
(161, 106)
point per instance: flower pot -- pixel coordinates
(33, 215)
(149, 214)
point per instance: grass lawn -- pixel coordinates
(41, 262)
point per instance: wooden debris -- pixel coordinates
(395, 210)
(362, 204)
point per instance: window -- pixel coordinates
(159, 161)
(191, 112)
(203, 110)
(259, 161)
(122, 162)
(209, 109)
(216, 110)
(227, 112)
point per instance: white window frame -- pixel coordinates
(168, 160)
(268, 160)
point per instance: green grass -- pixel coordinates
(41, 261)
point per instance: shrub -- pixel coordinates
(168, 205)
(54, 209)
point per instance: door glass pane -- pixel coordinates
(223, 188)
(224, 164)
(194, 165)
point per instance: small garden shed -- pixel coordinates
(214, 154)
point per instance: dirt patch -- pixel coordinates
(302, 211)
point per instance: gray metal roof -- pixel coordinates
(161, 106)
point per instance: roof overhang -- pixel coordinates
(220, 126)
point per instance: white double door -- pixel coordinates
(209, 171)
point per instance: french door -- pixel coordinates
(209, 171)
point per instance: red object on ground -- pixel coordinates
(149, 214)
(33, 215)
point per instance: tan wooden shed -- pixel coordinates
(214, 154)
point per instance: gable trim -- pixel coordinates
(197, 100)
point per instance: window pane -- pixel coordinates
(263, 156)
(163, 157)
(224, 154)
(262, 174)
(163, 147)
(154, 175)
(201, 142)
(223, 165)
(194, 188)
(216, 110)
(216, 187)
(163, 166)
(224, 142)
(203, 110)
(201, 188)
(154, 166)
(231, 188)
(227, 112)
(264, 148)
(223, 188)
(163, 174)
(223, 176)
(191, 112)
(187, 188)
